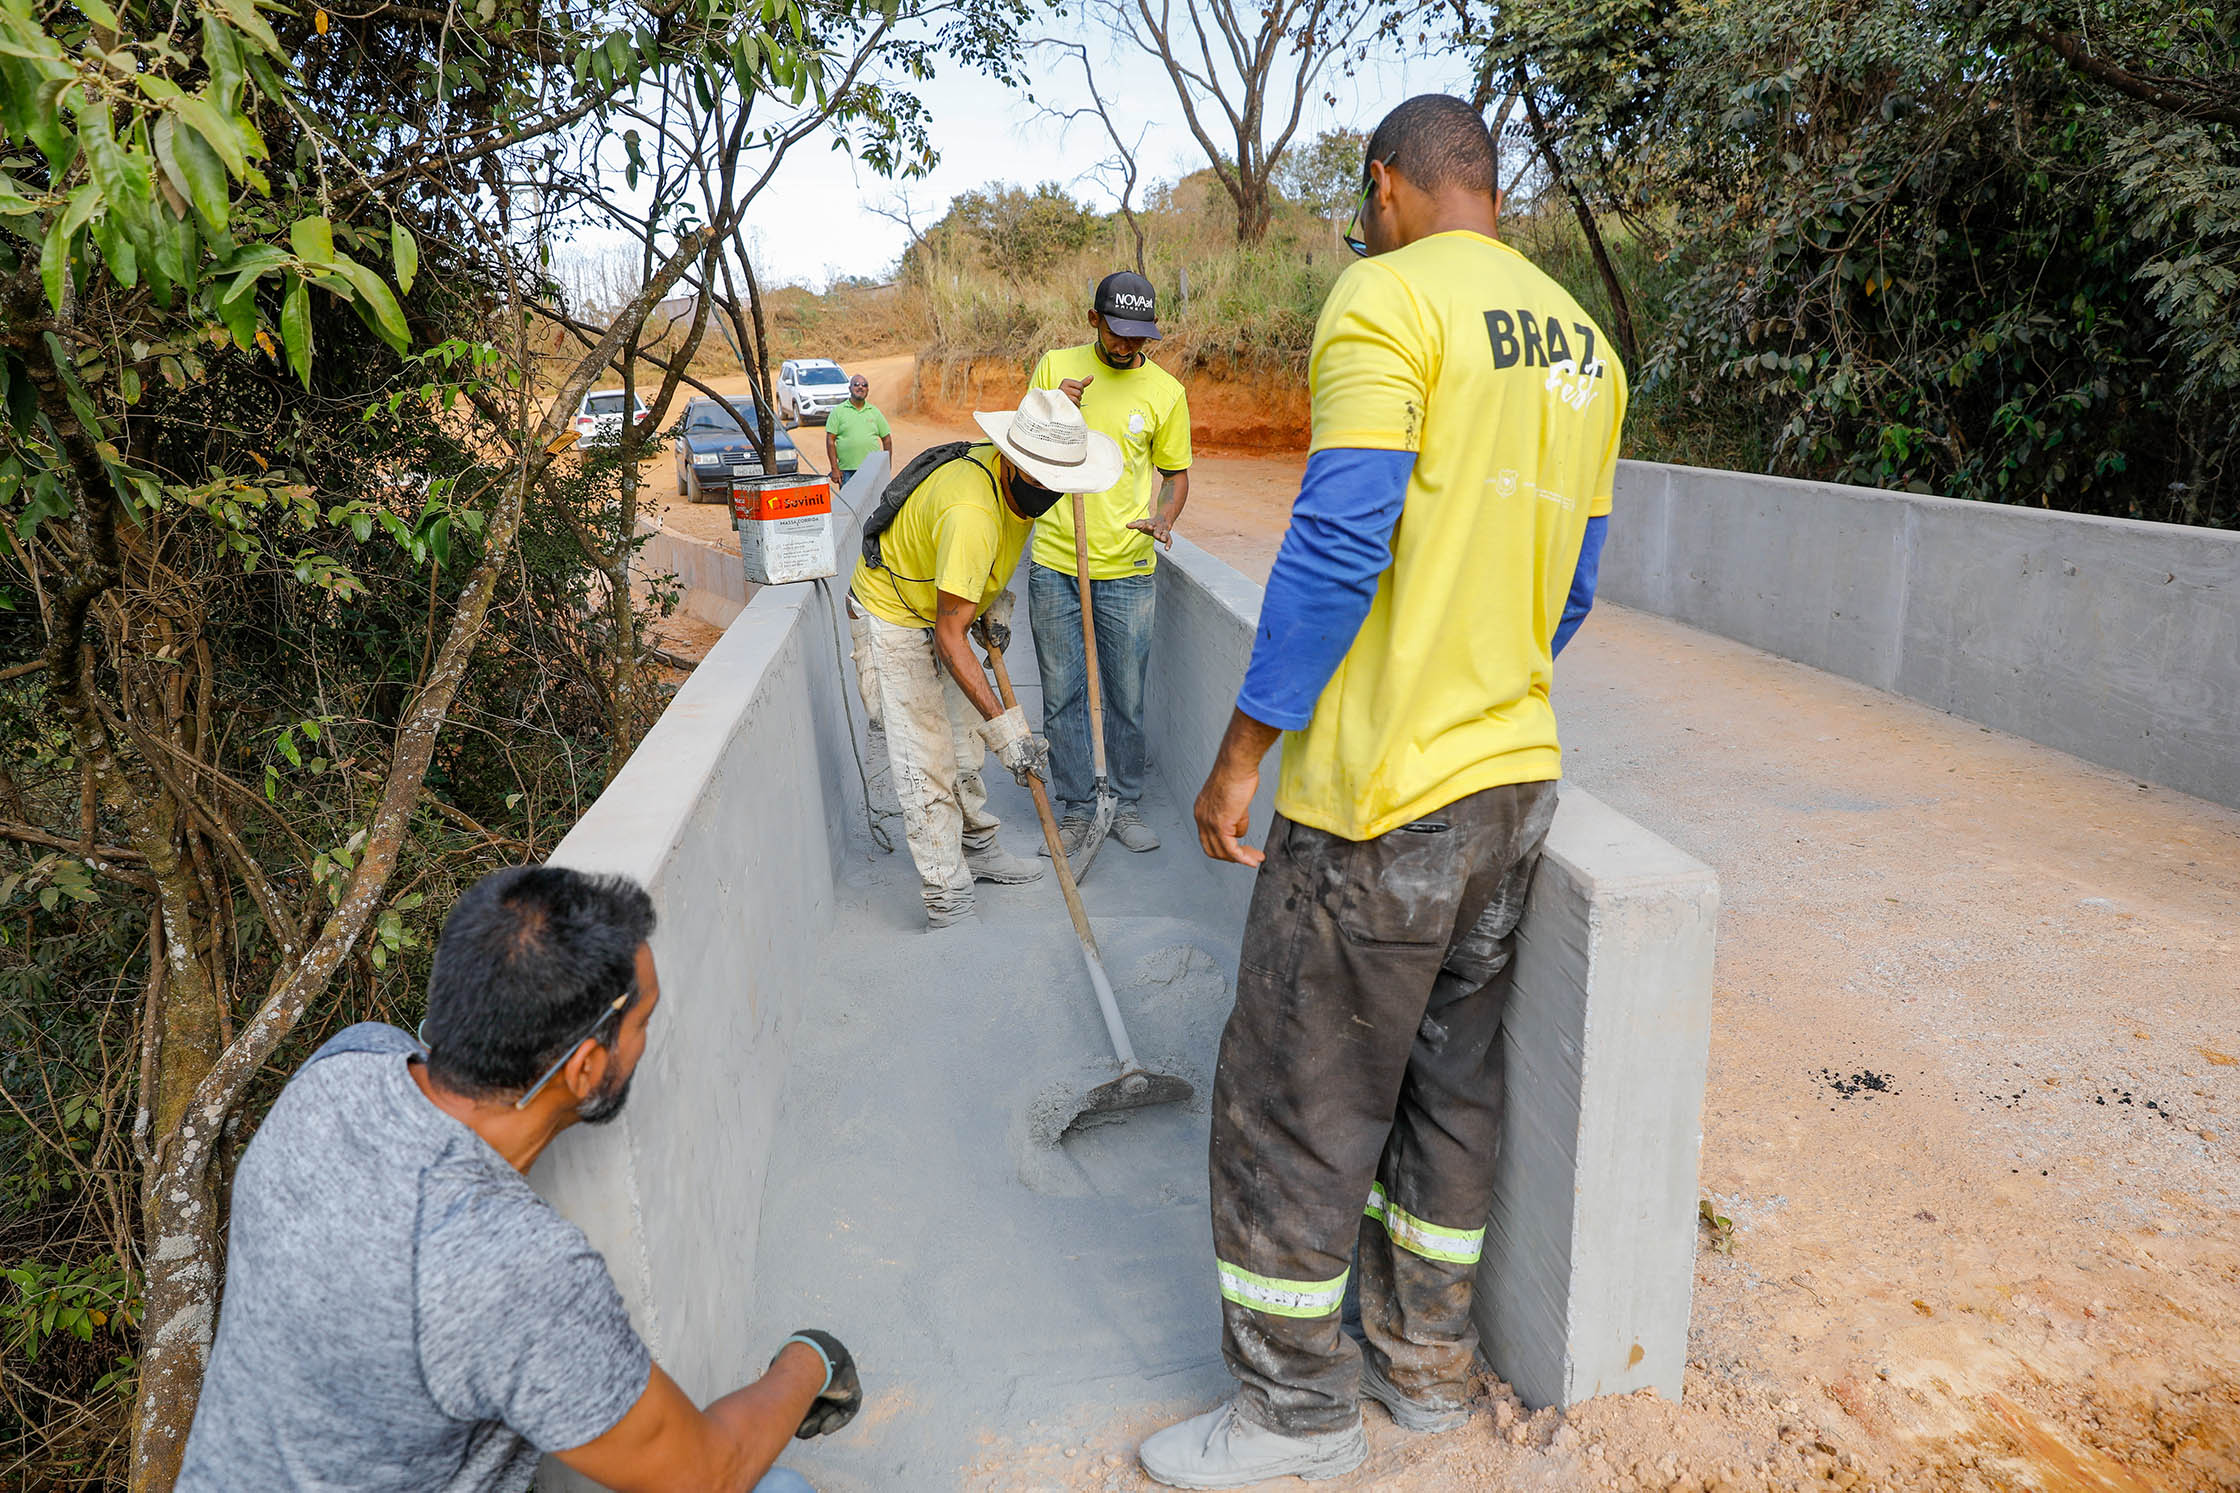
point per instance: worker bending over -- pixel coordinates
(1143, 408)
(944, 559)
(403, 1312)
(1443, 546)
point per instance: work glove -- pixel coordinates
(1017, 748)
(994, 625)
(842, 1396)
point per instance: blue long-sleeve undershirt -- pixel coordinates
(1581, 600)
(1326, 573)
(1325, 577)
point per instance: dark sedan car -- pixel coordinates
(712, 449)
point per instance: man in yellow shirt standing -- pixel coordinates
(1443, 547)
(1142, 407)
(942, 564)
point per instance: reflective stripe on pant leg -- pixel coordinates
(1441, 1155)
(1281, 1298)
(1417, 1236)
(1311, 1064)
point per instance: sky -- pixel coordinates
(817, 224)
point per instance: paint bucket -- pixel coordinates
(785, 527)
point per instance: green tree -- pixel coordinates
(287, 492)
(1324, 175)
(1958, 249)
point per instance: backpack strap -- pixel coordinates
(906, 482)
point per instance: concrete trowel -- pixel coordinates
(1137, 1086)
(1108, 803)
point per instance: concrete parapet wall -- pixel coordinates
(1590, 1254)
(712, 578)
(733, 814)
(2116, 640)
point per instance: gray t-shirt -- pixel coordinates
(401, 1310)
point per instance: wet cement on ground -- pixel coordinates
(985, 1278)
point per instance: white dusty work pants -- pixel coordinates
(934, 750)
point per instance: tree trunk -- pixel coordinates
(1253, 214)
(1621, 310)
(183, 1259)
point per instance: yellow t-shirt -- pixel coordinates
(953, 534)
(1456, 348)
(1146, 411)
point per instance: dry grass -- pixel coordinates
(1224, 307)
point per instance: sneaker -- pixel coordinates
(1073, 831)
(1221, 1449)
(1130, 830)
(1409, 1415)
(994, 863)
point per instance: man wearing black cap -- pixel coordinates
(1143, 407)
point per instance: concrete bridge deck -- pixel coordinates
(1971, 1102)
(1975, 1078)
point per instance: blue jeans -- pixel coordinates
(783, 1480)
(1123, 608)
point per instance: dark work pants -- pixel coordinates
(1358, 1099)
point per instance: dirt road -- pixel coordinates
(1974, 1102)
(1238, 504)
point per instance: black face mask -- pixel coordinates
(1030, 500)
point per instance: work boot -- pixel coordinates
(1073, 832)
(1130, 830)
(1409, 1415)
(994, 863)
(951, 911)
(1221, 1449)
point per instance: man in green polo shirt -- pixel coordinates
(852, 429)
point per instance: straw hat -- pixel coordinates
(1048, 440)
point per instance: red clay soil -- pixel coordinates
(1226, 414)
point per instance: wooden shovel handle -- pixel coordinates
(1088, 632)
(1049, 820)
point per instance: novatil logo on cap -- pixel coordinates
(1127, 302)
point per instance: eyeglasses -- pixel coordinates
(1353, 240)
(619, 1002)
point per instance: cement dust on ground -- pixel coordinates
(1973, 1102)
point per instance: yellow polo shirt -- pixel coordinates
(953, 534)
(1459, 349)
(1143, 408)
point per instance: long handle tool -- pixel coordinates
(1137, 1085)
(1108, 803)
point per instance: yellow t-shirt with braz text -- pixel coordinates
(953, 534)
(1459, 349)
(1143, 408)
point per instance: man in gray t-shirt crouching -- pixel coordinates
(403, 1312)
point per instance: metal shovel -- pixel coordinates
(1108, 804)
(1137, 1085)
